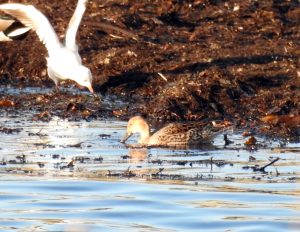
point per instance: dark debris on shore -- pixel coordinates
(171, 60)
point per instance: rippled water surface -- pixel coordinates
(76, 176)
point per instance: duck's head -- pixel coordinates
(84, 77)
(137, 124)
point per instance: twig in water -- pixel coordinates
(262, 169)
(159, 171)
(226, 140)
(128, 173)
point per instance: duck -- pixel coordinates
(172, 135)
(63, 61)
(11, 29)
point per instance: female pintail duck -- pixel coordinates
(63, 61)
(172, 135)
(11, 29)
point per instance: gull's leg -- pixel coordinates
(54, 78)
(56, 89)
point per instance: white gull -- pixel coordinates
(63, 61)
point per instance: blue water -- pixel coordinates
(59, 205)
(84, 198)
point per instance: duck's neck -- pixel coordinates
(145, 135)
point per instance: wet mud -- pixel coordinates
(169, 60)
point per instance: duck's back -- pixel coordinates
(179, 134)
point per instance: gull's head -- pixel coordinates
(83, 77)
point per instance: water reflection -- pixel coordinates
(92, 149)
(137, 155)
(208, 189)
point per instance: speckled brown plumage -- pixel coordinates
(172, 135)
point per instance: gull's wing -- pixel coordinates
(11, 29)
(74, 24)
(16, 30)
(5, 23)
(3, 37)
(35, 20)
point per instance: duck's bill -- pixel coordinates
(125, 138)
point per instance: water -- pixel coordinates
(57, 205)
(111, 187)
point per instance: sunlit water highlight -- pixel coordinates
(115, 188)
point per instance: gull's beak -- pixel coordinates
(125, 138)
(90, 89)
